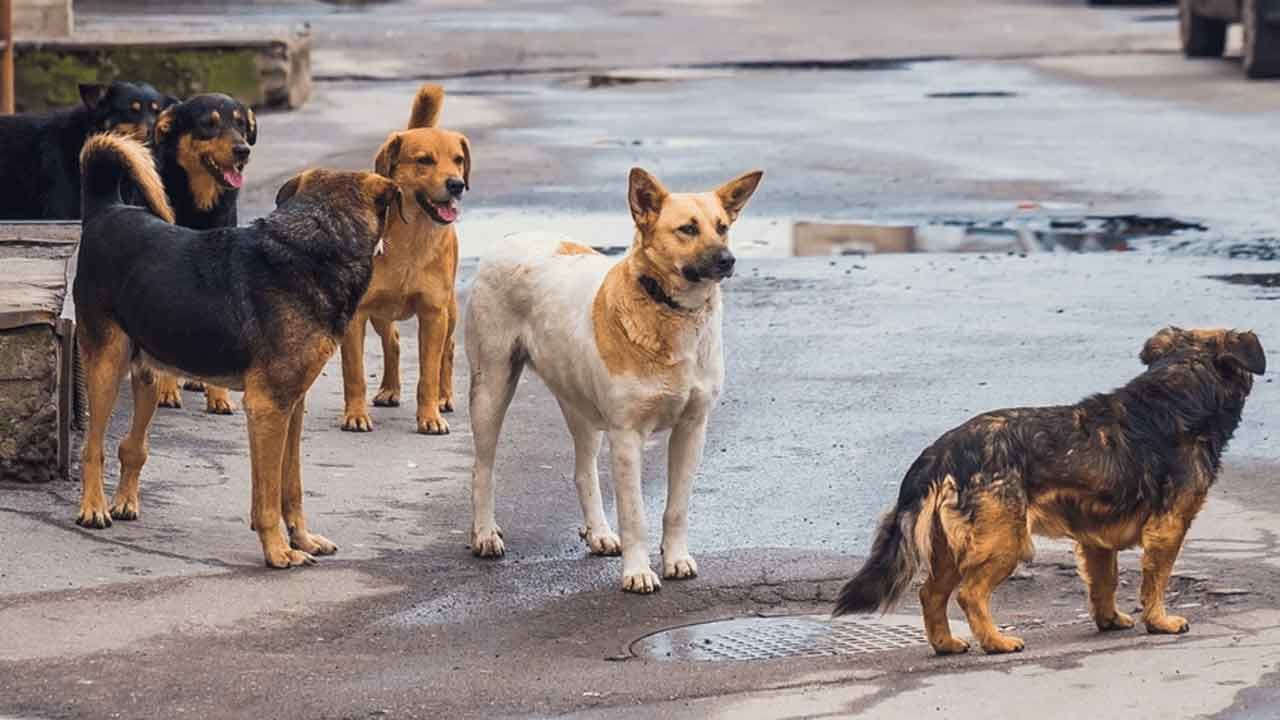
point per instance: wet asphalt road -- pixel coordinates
(839, 371)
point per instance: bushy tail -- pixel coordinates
(426, 106)
(106, 161)
(889, 570)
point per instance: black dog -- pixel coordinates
(40, 153)
(201, 146)
(259, 308)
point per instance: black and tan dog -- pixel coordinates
(1117, 470)
(40, 153)
(261, 308)
(202, 145)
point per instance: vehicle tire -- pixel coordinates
(1261, 54)
(1202, 36)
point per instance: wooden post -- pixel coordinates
(6, 60)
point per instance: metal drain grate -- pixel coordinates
(775, 637)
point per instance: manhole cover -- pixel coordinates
(775, 637)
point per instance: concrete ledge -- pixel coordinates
(269, 70)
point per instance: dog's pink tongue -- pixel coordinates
(448, 213)
(233, 178)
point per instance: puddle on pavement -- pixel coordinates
(1075, 234)
(769, 638)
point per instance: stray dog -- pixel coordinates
(628, 348)
(202, 145)
(1130, 467)
(416, 275)
(40, 153)
(262, 308)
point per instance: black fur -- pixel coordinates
(1132, 451)
(190, 117)
(210, 302)
(40, 153)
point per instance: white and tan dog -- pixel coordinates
(628, 348)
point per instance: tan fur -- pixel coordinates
(274, 390)
(205, 189)
(142, 165)
(414, 277)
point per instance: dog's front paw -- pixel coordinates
(601, 542)
(194, 385)
(218, 402)
(1167, 625)
(487, 542)
(643, 581)
(311, 543)
(387, 397)
(94, 515)
(433, 425)
(357, 422)
(1119, 621)
(125, 509)
(679, 568)
(951, 646)
(997, 644)
(287, 558)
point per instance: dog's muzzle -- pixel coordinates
(715, 264)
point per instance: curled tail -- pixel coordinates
(901, 545)
(426, 106)
(106, 162)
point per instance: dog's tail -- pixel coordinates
(107, 161)
(426, 106)
(901, 545)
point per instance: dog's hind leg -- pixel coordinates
(987, 552)
(291, 492)
(586, 451)
(168, 390)
(388, 394)
(1162, 538)
(626, 448)
(942, 580)
(684, 450)
(495, 371)
(133, 449)
(268, 436)
(355, 413)
(105, 360)
(1101, 574)
(446, 360)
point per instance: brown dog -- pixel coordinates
(415, 276)
(1125, 468)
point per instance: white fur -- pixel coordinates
(536, 309)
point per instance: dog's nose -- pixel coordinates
(724, 261)
(241, 152)
(455, 186)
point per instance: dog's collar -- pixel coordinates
(660, 296)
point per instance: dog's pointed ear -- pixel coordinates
(251, 121)
(164, 124)
(290, 188)
(384, 163)
(466, 163)
(645, 195)
(426, 107)
(1159, 345)
(735, 193)
(92, 93)
(1245, 350)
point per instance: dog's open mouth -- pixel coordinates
(442, 212)
(232, 177)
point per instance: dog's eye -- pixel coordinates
(688, 229)
(721, 228)
(155, 107)
(458, 160)
(135, 106)
(427, 160)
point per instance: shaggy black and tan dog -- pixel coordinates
(40, 152)
(257, 308)
(1117, 470)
